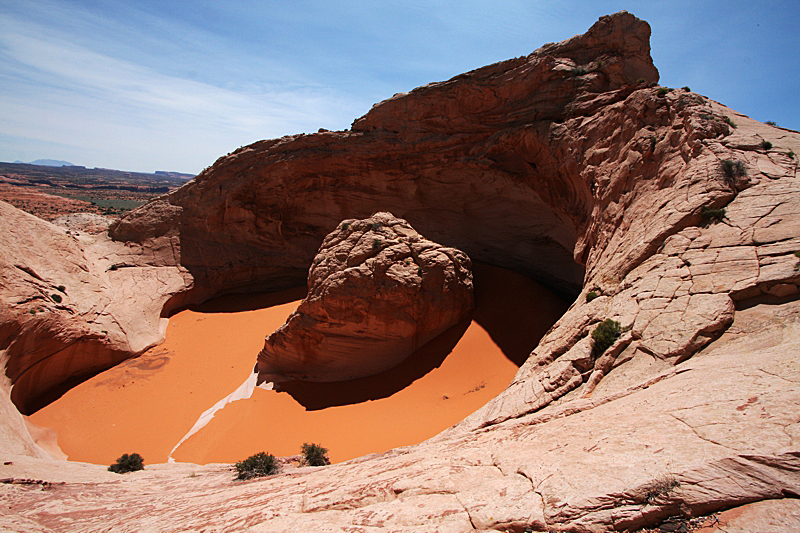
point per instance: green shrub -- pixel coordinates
(258, 465)
(663, 91)
(729, 122)
(127, 463)
(766, 145)
(56, 298)
(640, 81)
(770, 123)
(591, 295)
(376, 226)
(579, 71)
(604, 335)
(686, 88)
(376, 243)
(733, 169)
(62, 288)
(345, 225)
(315, 455)
(712, 215)
(791, 154)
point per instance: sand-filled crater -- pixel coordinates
(148, 404)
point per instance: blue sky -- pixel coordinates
(150, 85)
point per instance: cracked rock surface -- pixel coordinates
(377, 291)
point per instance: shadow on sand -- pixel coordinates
(513, 309)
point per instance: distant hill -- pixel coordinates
(48, 163)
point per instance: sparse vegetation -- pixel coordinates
(32, 311)
(579, 71)
(791, 154)
(56, 298)
(376, 226)
(729, 122)
(653, 141)
(604, 335)
(127, 463)
(686, 88)
(591, 295)
(315, 455)
(345, 226)
(258, 465)
(733, 169)
(62, 288)
(661, 486)
(376, 243)
(766, 145)
(113, 267)
(663, 91)
(712, 216)
(770, 123)
(640, 81)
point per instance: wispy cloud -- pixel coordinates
(56, 91)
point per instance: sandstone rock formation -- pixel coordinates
(563, 165)
(377, 291)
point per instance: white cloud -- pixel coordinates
(56, 91)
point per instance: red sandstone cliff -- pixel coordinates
(566, 165)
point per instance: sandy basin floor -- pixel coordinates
(146, 405)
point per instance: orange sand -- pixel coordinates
(147, 404)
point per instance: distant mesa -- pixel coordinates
(377, 291)
(171, 174)
(47, 163)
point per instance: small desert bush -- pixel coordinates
(770, 123)
(315, 455)
(579, 71)
(258, 465)
(686, 88)
(733, 169)
(127, 463)
(56, 298)
(663, 91)
(712, 215)
(729, 121)
(604, 335)
(591, 295)
(659, 487)
(766, 145)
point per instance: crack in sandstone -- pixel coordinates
(778, 376)
(701, 437)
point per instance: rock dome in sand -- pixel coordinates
(377, 291)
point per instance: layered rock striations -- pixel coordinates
(567, 165)
(377, 291)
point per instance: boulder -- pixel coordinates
(377, 291)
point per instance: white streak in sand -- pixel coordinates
(244, 392)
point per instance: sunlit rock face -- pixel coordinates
(377, 290)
